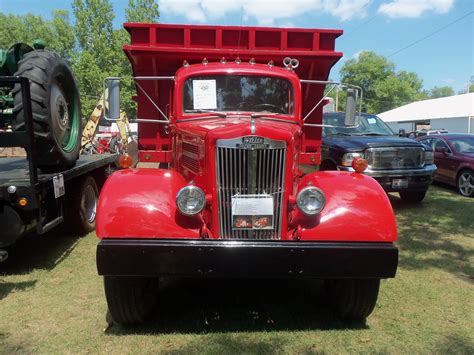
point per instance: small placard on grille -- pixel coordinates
(252, 212)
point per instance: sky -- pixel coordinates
(441, 31)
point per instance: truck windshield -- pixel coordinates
(233, 93)
(364, 125)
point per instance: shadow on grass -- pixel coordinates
(7, 287)
(455, 344)
(220, 306)
(38, 252)
(437, 233)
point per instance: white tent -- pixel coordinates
(454, 113)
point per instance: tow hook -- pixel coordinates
(296, 235)
(3, 255)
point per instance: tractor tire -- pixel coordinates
(56, 109)
(412, 196)
(81, 207)
(130, 299)
(353, 299)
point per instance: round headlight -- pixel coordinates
(310, 200)
(190, 200)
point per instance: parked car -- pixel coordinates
(399, 164)
(454, 157)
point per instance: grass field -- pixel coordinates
(51, 300)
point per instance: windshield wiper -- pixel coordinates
(217, 113)
(371, 134)
(338, 134)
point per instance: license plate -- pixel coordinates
(252, 212)
(399, 183)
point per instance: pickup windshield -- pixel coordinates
(234, 93)
(369, 125)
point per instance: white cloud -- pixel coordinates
(265, 12)
(414, 8)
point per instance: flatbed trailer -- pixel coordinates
(32, 200)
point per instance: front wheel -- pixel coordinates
(412, 196)
(465, 183)
(353, 299)
(130, 299)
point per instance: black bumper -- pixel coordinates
(245, 259)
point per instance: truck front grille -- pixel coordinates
(249, 169)
(386, 158)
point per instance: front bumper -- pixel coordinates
(418, 179)
(245, 259)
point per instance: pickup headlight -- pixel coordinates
(310, 200)
(348, 157)
(429, 157)
(190, 200)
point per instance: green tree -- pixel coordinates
(57, 33)
(442, 91)
(383, 87)
(142, 11)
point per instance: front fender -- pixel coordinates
(357, 209)
(140, 203)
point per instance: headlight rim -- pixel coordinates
(194, 188)
(311, 187)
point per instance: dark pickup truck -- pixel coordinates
(398, 164)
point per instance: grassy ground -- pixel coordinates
(51, 300)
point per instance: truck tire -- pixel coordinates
(130, 299)
(412, 196)
(56, 109)
(82, 205)
(353, 299)
(465, 183)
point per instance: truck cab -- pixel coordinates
(232, 114)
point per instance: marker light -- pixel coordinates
(190, 200)
(359, 164)
(23, 202)
(310, 200)
(11, 189)
(125, 161)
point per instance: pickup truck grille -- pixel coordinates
(386, 158)
(249, 169)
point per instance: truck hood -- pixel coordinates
(358, 143)
(233, 127)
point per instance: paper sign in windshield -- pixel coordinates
(372, 120)
(204, 94)
(249, 212)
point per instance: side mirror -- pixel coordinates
(402, 133)
(441, 150)
(114, 99)
(350, 107)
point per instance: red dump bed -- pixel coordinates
(157, 49)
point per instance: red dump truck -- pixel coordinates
(232, 114)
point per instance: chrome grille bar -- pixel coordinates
(395, 157)
(255, 171)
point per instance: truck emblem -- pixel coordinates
(252, 142)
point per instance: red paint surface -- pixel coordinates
(140, 203)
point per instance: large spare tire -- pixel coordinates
(56, 109)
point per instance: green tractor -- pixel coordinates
(55, 103)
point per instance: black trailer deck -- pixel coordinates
(15, 171)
